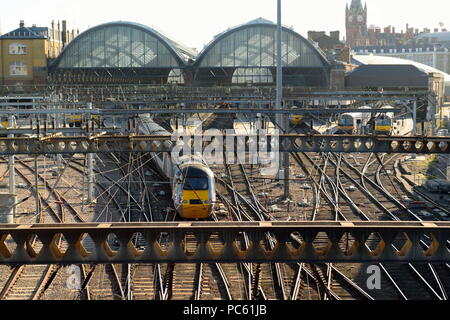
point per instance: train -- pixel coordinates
(364, 123)
(192, 181)
(4, 123)
(384, 122)
(353, 122)
(296, 119)
(76, 120)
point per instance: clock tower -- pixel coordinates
(356, 24)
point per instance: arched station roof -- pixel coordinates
(129, 52)
(247, 54)
(123, 45)
(254, 45)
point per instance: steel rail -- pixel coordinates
(238, 214)
(257, 208)
(19, 270)
(394, 217)
(337, 188)
(433, 271)
(367, 219)
(56, 195)
(157, 276)
(75, 212)
(327, 287)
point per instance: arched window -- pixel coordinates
(18, 69)
(17, 48)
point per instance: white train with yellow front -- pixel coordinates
(354, 122)
(384, 122)
(193, 183)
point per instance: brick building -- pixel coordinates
(359, 33)
(25, 52)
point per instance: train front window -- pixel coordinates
(196, 184)
(346, 122)
(384, 122)
(195, 179)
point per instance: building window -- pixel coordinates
(175, 77)
(17, 48)
(252, 75)
(18, 69)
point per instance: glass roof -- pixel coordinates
(123, 45)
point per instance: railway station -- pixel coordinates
(262, 167)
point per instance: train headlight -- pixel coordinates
(206, 201)
(185, 202)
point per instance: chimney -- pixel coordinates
(393, 29)
(335, 35)
(436, 30)
(22, 24)
(53, 30)
(64, 33)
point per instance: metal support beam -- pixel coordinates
(90, 165)
(415, 118)
(287, 191)
(36, 185)
(12, 175)
(177, 111)
(7, 203)
(53, 144)
(296, 242)
(279, 79)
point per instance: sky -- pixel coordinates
(195, 22)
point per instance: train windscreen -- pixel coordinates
(346, 122)
(196, 184)
(384, 122)
(195, 179)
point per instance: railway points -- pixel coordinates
(143, 170)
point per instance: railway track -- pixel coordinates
(423, 283)
(32, 282)
(329, 175)
(430, 287)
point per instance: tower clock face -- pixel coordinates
(360, 18)
(350, 19)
